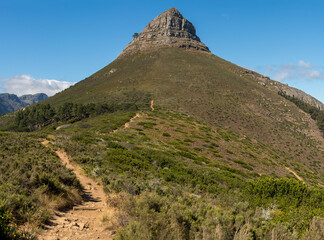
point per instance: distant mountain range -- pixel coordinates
(11, 102)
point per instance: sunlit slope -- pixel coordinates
(206, 87)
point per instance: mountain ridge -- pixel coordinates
(277, 86)
(11, 102)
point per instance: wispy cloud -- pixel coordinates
(300, 71)
(26, 84)
(304, 64)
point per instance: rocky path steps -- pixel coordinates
(84, 221)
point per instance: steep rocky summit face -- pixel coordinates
(169, 29)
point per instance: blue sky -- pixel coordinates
(48, 44)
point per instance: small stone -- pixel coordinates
(75, 224)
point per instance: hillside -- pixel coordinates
(169, 174)
(207, 87)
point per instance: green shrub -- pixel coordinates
(165, 134)
(297, 203)
(148, 125)
(243, 164)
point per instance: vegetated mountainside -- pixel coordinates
(284, 88)
(170, 175)
(158, 66)
(11, 102)
(207, 87)
(176, 177)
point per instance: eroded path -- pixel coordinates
(89, 220)
(128, 124)
(296, 175)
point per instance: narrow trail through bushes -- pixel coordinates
(296, 175)
(89, 220)
(127, 124)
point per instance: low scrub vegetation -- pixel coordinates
(32, 182)
(174, 192)
(169, 184)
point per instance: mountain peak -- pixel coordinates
(173, 11)
(169, 29)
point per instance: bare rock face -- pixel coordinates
(169, 29)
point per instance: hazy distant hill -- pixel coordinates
(11, 102)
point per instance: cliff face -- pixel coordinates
(170, 29)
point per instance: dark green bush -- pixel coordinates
(165, 134)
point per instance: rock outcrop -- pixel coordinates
(169, 29)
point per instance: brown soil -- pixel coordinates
(296, 175)
(127, 125)
(93, 219)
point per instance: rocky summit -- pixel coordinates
(169, 29)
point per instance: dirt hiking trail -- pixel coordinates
(84, 221)
(128, 124)
(296, 175)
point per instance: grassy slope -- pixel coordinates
(179, 173)
(181, 133)
(172, 175)
(209, 88)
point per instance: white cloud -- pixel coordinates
(304, 64)
(312, 74)
(26, 84)
(282, 75)
(300, 71)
